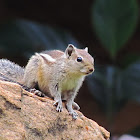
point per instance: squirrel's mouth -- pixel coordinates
(90, 71)
(87, 71)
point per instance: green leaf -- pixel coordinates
(131, 82)
(114, 22)
(113, 87)
(20, 37)
(129, 59)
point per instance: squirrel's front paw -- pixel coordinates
(59, 105)
(74, 114)
(37, 92)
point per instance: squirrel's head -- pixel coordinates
(79, 60)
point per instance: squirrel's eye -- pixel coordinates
(79, 59)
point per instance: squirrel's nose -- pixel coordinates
(91, 70)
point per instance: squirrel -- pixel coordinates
(58, 74)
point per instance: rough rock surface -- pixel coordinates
(24, 116)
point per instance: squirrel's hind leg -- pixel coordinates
(75, 106)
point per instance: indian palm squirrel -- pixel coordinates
(58, 74)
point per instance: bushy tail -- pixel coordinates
(11, 70)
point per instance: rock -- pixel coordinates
(27, 116)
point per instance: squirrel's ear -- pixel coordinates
(86, 49)
(69, 50)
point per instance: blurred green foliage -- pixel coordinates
(21, 37)
(114, 22)
(135, 132)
